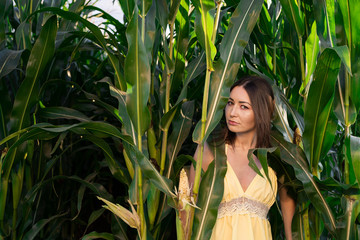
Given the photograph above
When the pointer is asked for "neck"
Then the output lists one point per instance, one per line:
(245, 141)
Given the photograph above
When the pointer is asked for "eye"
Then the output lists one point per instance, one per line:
(230, 103)
(244, 107)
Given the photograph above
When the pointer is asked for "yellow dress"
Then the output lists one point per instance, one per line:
(243, 215)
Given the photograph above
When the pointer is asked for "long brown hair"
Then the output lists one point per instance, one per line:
(262, 101)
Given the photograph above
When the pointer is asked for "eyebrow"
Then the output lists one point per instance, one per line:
(239, 101)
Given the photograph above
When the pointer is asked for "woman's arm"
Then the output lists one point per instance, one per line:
(207, 159)
(288, 209)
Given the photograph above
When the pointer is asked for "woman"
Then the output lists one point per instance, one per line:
(247, 198)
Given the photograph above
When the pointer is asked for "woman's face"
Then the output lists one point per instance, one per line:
(239, 112)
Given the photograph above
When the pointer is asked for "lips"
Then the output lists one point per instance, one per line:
(232, 123)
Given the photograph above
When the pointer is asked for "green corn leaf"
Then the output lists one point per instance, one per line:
(181, 129)
(324, 13)
(181, 45)
(299, 120)
(5, 109)
(194, 69)
(97, 235)
(262, 156)
(294, 156)
(3, 8)
(169, 116)
(210, 195)
(127, 7)
(62, 112)
(150, 32)
(9, 60)
(81, 192)
(153, 199)
(349, 11)
(344, 55)
(94, 216)
(95, 99)
(204, 23)
(102, 128)
(281, 120)
(38, 226)
(294, 15)
(137, 74)
(40, 56)
(312, 49)
(17, 178)
(355, 155)
(351, 205)
(22, 36)
(128, 127)
(145, 7)
(174, 8)
(232, 46)
(116, 169)
(119, 79)
(319, 106)
(162, 13)
(96, 188)
(163, 184)
(106, 16)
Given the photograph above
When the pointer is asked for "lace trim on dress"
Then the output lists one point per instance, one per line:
(242, 206)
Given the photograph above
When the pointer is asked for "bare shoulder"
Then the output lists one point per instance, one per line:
(208, 156)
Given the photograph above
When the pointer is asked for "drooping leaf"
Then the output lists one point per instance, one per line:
(38, 226)
(294, 156)
(235, 39)
(96, 188)
(22, 36)
(94, 216)
(62, 112)
(262, 156)
(319, 105)
(9, 60)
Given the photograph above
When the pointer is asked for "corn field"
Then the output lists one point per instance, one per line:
(104, 117)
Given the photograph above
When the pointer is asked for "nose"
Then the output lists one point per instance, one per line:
(233, 111)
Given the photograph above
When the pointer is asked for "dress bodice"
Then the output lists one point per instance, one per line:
(243, 214)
